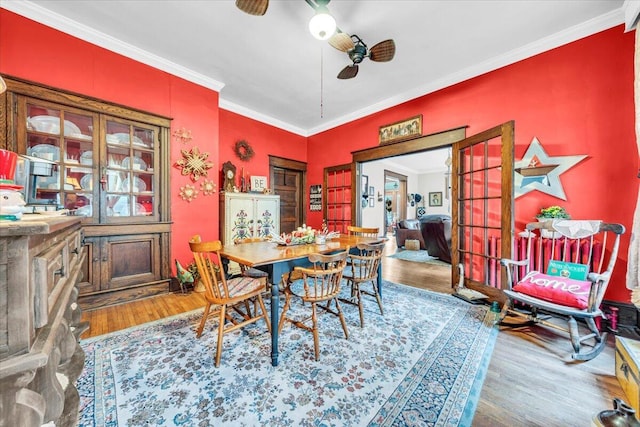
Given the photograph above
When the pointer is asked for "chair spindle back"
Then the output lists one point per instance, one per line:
(322, 280)
(362, 231)
(208, 261)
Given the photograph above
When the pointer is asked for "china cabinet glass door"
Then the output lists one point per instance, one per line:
(65, 137)
(129, 175)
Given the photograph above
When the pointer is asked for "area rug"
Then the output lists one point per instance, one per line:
(418, 256)
(422, 363)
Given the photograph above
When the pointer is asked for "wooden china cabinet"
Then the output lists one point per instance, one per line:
(112, 168)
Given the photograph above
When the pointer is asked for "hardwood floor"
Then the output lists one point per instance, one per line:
(531, 380)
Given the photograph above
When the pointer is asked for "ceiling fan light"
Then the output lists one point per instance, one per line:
(322, 25)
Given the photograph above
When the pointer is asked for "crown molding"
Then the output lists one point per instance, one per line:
(631, 10)
(83, 32)
(252, 114)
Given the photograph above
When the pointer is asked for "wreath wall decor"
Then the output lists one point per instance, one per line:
(188, 193)
(194, 163)
(243, 150)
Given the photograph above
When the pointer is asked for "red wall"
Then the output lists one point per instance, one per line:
(576, 99)
(264, 139)
(35, 52)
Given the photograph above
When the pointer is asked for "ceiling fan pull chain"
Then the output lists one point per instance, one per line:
(321, 84)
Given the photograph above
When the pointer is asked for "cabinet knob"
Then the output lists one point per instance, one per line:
(104, 259)
(96, 259)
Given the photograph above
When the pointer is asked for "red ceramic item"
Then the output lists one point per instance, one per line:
(8, 162)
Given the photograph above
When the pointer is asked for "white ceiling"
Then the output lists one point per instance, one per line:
(270, 68)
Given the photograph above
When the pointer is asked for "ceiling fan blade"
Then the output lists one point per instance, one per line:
(348, 72)
(341, 41)
(383, 51)
(253, 7)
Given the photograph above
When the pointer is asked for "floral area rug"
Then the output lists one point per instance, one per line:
(422, 363)
(418, 256)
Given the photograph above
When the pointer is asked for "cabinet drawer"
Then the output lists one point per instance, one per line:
(74, 243)
(627, 359)
(50, 272)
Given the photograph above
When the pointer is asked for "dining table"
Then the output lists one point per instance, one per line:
(277, 260)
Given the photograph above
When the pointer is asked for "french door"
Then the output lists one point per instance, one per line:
(482, 208)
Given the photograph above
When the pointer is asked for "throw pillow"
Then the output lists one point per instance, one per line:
(556, 289)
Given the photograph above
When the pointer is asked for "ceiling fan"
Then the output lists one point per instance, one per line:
(351, 44)
(357, 51)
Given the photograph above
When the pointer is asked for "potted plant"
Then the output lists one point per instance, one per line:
(550, 213)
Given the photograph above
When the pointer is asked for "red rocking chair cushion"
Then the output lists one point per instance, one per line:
(555, 289)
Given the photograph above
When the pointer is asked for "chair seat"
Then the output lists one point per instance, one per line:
(243, 285)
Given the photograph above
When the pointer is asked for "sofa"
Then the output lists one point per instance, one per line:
(433, 232)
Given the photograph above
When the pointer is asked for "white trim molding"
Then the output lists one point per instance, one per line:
(44, 16)
(631, 10)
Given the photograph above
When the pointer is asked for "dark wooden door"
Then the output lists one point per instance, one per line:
(288, 181)
(287, 186)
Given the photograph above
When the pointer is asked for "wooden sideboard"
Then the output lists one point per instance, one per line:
(40, 357)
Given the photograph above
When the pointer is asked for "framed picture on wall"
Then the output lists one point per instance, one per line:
(435, 198)
(400, 131)
(364, 185)
(371, 202)
(371, 191)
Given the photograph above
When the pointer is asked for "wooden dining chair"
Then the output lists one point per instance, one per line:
(250, 271)
(315, 285)
(232, 298)
(362, 268)
(352, 230)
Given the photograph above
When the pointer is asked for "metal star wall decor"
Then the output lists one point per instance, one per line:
(194, 163)
(539, 171)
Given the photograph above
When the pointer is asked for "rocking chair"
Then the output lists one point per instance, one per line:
(563, 275)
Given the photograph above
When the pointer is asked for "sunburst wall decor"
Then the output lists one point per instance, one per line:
(194, 163)
(188, 192)
(208, 187)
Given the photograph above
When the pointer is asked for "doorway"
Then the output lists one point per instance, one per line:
(488, 155)
(288, 180)
(395, 199)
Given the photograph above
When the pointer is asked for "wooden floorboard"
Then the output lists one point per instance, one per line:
(531, 379)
